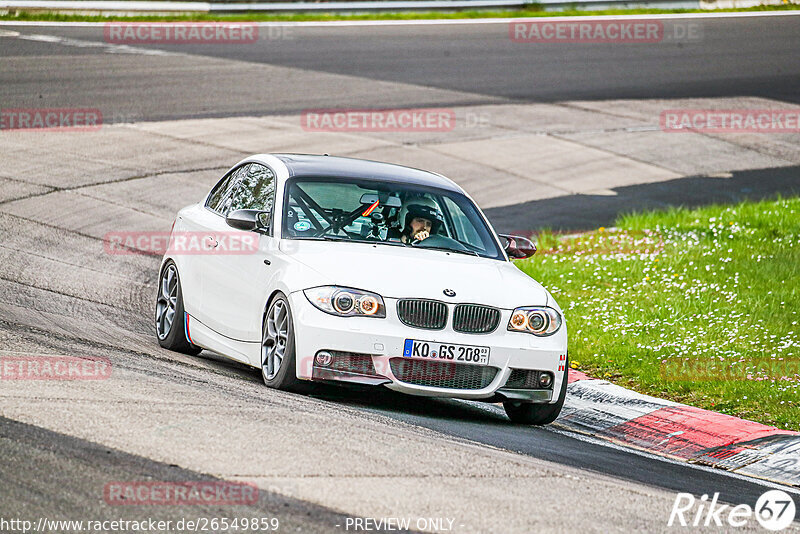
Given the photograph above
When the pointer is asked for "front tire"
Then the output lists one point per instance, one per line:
(278, 364)
(529, 413)
(170, 315)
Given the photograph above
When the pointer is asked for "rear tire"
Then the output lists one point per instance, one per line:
(170, 316)
(278, 364)
(529, 413)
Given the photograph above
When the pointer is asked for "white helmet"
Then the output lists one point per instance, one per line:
(422, 207)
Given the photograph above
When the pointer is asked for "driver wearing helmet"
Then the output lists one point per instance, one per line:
(421, 218)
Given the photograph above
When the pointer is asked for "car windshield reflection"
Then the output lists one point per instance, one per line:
(395, 214)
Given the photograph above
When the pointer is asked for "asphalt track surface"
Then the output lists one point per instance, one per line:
(465, 64)
(54, 461)
(749, 56)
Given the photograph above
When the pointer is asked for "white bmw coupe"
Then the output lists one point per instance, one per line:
(362, 272)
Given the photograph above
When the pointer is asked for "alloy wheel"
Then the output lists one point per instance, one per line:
(167, 301)
(274, 339)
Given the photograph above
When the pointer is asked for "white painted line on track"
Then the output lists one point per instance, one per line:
(79, 43)
(446, 22)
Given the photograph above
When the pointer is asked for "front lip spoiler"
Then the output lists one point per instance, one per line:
(534, 395)
(321, 373)
(336, 375)
(529, 395)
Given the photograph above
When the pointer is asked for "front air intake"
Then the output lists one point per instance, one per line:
(442, 374)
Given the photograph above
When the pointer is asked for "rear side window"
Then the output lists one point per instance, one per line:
(255, 190)
(221, 196)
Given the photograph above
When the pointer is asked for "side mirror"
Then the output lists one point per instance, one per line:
(248, 220)
(518, 247)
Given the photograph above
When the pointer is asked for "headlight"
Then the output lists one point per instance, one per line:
(346, 302)
(538, 320)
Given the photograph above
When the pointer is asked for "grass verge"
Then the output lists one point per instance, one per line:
(298, 17)
(697, 306)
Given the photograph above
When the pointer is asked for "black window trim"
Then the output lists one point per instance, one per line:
(229, 174)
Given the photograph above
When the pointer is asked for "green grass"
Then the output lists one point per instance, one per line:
(697, 306)
(532, 11)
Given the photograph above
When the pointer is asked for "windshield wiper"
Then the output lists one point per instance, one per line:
(445, 249)
(329, 237)
(469, 246)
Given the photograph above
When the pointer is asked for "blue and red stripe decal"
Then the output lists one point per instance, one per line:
(186, 327)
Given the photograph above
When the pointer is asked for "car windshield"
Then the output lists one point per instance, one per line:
(398, 214)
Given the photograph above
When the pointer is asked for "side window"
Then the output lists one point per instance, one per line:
(220, 197)
(256, 189)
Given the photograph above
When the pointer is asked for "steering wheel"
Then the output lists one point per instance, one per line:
(438, 241)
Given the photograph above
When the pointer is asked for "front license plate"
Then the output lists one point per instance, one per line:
(430, 350)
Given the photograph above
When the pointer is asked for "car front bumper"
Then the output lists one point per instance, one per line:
(382, 340)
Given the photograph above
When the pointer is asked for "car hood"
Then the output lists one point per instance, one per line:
(403, 272)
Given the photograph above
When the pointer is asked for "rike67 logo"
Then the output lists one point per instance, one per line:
(775, 510)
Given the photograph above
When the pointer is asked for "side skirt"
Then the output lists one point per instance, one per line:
(245, 352)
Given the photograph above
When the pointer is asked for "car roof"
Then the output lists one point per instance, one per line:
(341, 167)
